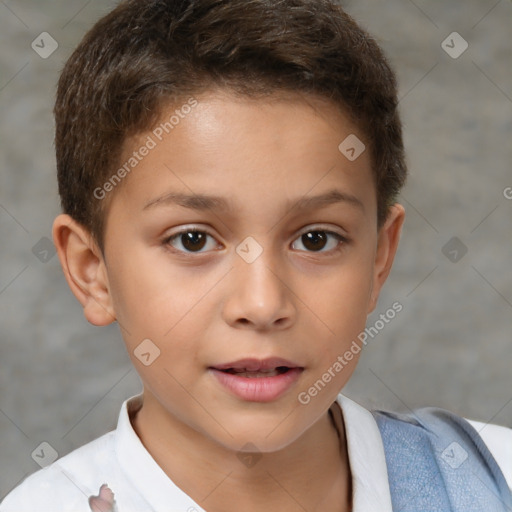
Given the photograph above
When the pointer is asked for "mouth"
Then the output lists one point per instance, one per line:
(243, 372)
(257, 380)
(253, 368)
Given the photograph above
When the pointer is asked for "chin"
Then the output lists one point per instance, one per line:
(255, 444)
(261, 435)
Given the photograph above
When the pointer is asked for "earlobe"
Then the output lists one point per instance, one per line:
(388, 239)
(84, 269)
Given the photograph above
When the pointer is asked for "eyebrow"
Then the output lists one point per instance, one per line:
(203, 202)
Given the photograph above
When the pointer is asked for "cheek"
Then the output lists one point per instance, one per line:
(342, 298)
(342, 306)
(150, 296)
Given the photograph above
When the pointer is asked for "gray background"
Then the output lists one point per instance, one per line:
(62, 380)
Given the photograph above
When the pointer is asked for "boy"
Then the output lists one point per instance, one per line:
(266, 134)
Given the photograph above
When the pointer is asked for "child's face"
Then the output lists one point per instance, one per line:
(204, 302)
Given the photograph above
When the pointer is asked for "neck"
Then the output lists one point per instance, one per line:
(312, 473)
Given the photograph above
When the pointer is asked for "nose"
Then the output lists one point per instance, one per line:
(260, 296)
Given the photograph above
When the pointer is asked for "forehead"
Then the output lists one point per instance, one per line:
(239, 149)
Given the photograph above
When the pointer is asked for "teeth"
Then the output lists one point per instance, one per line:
(266, 373)
(243, 372)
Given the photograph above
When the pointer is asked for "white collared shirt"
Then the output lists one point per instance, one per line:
(139, 484)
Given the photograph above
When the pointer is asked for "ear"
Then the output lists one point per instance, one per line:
(84, 268)
(387, 244)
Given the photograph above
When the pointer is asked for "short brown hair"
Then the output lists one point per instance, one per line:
(147, 53)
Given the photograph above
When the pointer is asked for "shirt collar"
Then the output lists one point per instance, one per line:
(370, 488)
(142, 470)
(370, 485)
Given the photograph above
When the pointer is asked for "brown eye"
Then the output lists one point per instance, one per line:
(314, 240)
(317, 240)
(193, 240)
(190, 240)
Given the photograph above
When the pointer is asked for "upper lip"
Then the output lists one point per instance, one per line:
(255, 365)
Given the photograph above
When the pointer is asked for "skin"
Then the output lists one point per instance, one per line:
(206, 306)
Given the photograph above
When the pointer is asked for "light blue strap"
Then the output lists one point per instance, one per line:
(438, 462)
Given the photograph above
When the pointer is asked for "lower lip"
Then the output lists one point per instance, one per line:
(258, 389)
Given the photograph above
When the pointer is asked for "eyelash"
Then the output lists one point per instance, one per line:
(341, 239)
